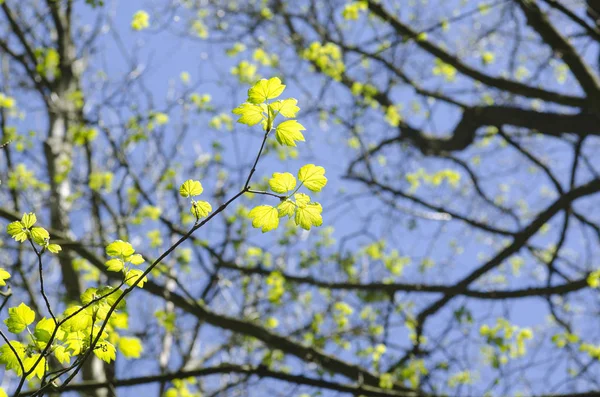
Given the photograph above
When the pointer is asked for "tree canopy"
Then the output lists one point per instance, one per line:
(300, 198)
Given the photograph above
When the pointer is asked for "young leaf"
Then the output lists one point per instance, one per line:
(39, 235)
(136, 259)
(62, 355)
(287, 107)
(309, 215)
(44, 329)
(119, 248)
(79, 322)
(105, 351)
(250, 114)
(132, 276)
(302, 199)
(130, 347)
(114, 265)
(288, 132)
(8, 357)
(200, 209)
(4, 275)
(19, 318)
(140, 20)
(264, 90)
(54, 248)
(191, 188)
(28, 220)
(89, 295)
(282, 182)
(39, 370)
(265, 217)
(313, 177)
(17, 231)
(286, 208)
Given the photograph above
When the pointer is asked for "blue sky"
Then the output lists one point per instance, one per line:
(161, 56)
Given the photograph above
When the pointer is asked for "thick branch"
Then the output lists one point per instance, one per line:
(500, 83)
(260, 371)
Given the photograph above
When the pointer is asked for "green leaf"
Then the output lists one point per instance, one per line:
(40, 368)
(264, 90)
(8, 357)
(105, 351)
(44, 329)
(288, 132)
(4, 275)
(119, 248)
(115, 265)
(62, 355)
(79, 322)
(132, 276)
(264, 217)
(40, 235)
(309, 215)
(200, 209)
(140, 20)
(250, 114)
(112, 297)
(282, 182)
(302, 199)
(19, 318)
(89, 295)
(313, 177)
(191, 188)
(136, 259)
(54, 248)
(130, 347)
(286, 208)
(287, 107)
(28, 220)
(17, 231)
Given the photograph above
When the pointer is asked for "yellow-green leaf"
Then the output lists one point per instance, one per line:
(17, 231)
(200, 209)
(286, 208)
(140, 20)
(191, 188)
(309, 215)
(264, 90)
(39, 235)
(130, 347)
(28, 220)
(114, 265)
(105, 351)
(136, 259)
(40, 368)
(313, 177)
(264, 217)
(54, 248)
(19, 318)
(287, 107)
(250, 114)
(282, 182)
(45, 328)
(302, 199)
(133, 275)
(119, 248)
(79, 322)
(4, 275)
(8, 357)
(62, 355)
(288, 132)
